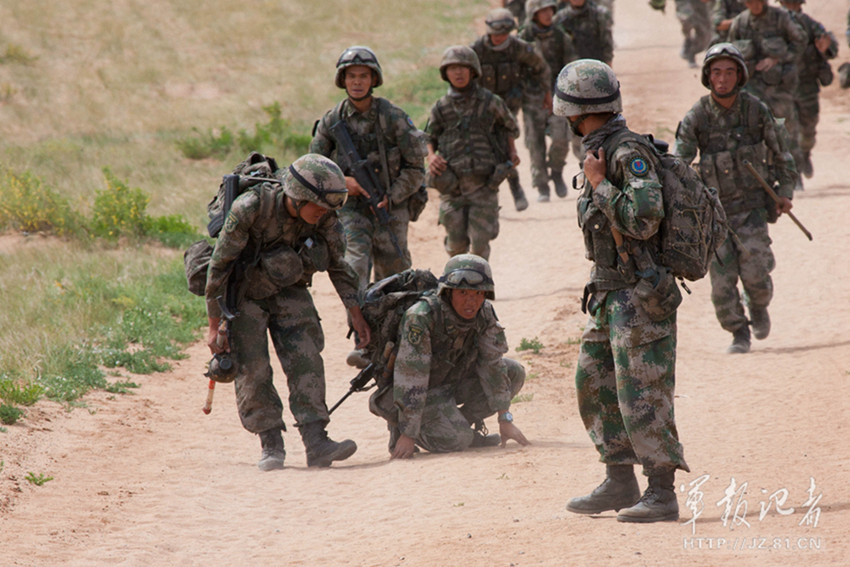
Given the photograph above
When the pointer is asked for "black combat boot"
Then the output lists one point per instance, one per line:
(760, 320)
(806, 167)
(273, 454)
(740, 340)
(517, 192)
(557, 177)
(321, 450)
(618, 490)
(658, 503)
(543, 193)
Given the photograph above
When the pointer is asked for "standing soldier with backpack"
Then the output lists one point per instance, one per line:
(625, 374)
(507, 64)
(282, 234)
(557, 49)
(727, 128)
(815, 72)
(385, 136)
(469, 129)
(450, 372)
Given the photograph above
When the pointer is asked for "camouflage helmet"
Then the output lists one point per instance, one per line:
(467, 271)
(316, 179)
(460, 55)
(499, 21)
(534, 6)
(587, 86)
(724, 50)
(357, 55)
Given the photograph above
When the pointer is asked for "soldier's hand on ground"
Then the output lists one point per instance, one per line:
(784, 206)
(404, 448)
(361, 327)
(436, 164)
(217, 345)
(594, 167)
(507, 430)
(354, 188)
(766, 64)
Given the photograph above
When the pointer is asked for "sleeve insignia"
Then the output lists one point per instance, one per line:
(638, 167)
(410, 123)
(414, 335)
(231, 222)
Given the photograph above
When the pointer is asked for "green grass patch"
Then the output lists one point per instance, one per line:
(520, 398)
(534, 345)
(9, 414)
(37, 479)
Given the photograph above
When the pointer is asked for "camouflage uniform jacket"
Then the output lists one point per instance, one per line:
(727, 137)
(556, 47)
(629, 200)
(507, 69)
(813, 62)
(590, 29)
(250, 230)
(384, 124)
(773, 34)
(724, 10)
(438, 348)
(465, 126)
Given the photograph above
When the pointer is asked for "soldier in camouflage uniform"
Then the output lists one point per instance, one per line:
(468, 129)
(722, 14)
(284, 233)
(625, 374)
(508, 64)
(450, 372)
(384, 135)
(815, 72)
(516, 7)
(557, 48)
(728, 127)
(693, 15)
(772, 43)
(590, 27)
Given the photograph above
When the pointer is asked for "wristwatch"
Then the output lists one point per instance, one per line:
(506, 417)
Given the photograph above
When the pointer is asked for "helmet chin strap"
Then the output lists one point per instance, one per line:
(730, 94)
(364, 97)
(575, 124)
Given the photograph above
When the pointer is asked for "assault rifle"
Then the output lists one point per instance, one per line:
(359, 383)
(359, 169)
(221, 367)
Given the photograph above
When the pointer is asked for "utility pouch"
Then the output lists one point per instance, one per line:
(416, 203)
(196, 261)
(275, 269)
(500, 173)
(658, 297)
(446, 183)
(381, 404)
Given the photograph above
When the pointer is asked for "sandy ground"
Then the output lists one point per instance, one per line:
(147, 479)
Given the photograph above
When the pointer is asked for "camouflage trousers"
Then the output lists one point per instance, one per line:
(538, 123)
(753, 271)
(451, 410)
(625, 382)
(368, 245)
(695, 18)
(290, 318)
(471, 220)
(808, 113)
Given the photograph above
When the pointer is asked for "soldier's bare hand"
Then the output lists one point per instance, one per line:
(507, 430)
(514, 157)
(766, 64)
(594, 167)
(217, 343)
(404, 448)
(436, 164)
(354, 188)
(784, 206)
(823, 43)
(547, 101)
(361, 327)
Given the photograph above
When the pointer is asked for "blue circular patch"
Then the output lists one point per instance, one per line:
(638, 166)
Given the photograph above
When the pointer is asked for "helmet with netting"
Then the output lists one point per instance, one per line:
(316, 179)
(460, 55)
(587, 86)
(467, 271)
(534, 6)
(500, 21)
(357, 55)
(724, 50)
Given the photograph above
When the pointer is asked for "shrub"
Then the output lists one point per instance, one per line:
(27, 205)
(119, 210)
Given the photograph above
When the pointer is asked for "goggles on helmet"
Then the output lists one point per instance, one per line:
(466, 276)
(322, 194)
(355, 56)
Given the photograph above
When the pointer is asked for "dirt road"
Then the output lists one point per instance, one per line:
(147, 479)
